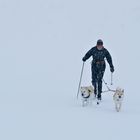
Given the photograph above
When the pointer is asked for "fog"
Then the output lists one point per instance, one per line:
(42, 43)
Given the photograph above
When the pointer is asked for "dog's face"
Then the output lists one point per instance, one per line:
(119, 94)
(86, 91)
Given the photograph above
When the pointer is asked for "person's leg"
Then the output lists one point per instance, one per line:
(99, 88)
(94, 83)
(100, 77)
(94, 79)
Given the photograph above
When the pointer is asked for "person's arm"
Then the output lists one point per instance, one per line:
(88, 55)
(109, 60)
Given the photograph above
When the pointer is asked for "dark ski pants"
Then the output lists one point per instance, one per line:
(97, 76)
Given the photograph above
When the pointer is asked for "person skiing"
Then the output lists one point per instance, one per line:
(98, 53)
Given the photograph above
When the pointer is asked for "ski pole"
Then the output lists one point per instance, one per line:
(111, 78)
(80, 79)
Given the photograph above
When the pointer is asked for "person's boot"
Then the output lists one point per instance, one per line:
(99, 98)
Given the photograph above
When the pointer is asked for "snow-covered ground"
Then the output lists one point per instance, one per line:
(42, 43)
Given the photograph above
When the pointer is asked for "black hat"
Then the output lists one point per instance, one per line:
(99, 42)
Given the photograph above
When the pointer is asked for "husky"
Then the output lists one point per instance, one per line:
(118, 98)
(87, 95)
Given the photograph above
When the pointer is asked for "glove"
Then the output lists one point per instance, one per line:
(84, 59)
(112, 69)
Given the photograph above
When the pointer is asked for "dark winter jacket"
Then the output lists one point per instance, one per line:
(99, 58)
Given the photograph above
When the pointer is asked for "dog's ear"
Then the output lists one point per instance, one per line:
(91, 88)
(123, 90)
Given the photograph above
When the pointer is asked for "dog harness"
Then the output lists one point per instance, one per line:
(86, 97)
